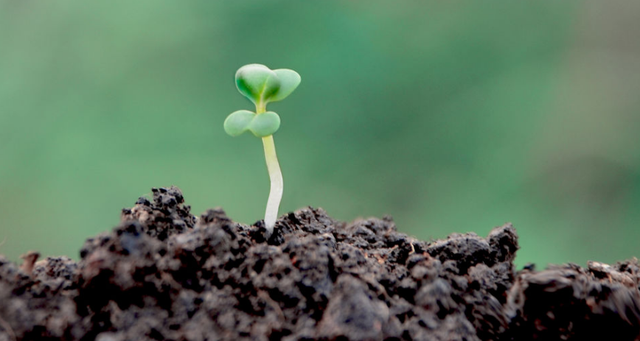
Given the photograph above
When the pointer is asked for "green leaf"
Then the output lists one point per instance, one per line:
(289, 81)
(260, 125)
(265, 124)
(257, 82)
(238, 122)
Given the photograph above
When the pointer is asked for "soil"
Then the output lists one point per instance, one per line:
(164, 274)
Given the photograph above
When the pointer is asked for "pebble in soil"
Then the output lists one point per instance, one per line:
(162, 274)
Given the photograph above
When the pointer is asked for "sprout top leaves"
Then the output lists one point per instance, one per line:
(262, 85)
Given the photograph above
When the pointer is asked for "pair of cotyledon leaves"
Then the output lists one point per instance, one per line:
(261, 85)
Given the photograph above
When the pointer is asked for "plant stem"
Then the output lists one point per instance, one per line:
(275, 175)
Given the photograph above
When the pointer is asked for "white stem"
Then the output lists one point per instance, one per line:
(275, 175)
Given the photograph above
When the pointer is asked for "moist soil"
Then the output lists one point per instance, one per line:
(164, 274)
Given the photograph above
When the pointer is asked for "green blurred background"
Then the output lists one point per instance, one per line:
(448, 116)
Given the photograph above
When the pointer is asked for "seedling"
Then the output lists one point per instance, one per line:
(262, 85)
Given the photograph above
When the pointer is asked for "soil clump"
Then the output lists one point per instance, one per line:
(164, 274)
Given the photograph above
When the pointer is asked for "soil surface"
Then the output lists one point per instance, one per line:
(164, 274)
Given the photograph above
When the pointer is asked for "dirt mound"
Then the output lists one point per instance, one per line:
(164, 274)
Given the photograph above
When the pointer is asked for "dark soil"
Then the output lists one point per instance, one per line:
(164, 274)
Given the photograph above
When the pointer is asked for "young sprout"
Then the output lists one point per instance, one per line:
(262, 85)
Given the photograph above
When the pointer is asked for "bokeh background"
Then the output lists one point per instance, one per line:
(448, 116)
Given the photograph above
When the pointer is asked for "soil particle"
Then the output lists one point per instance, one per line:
(163, 274)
